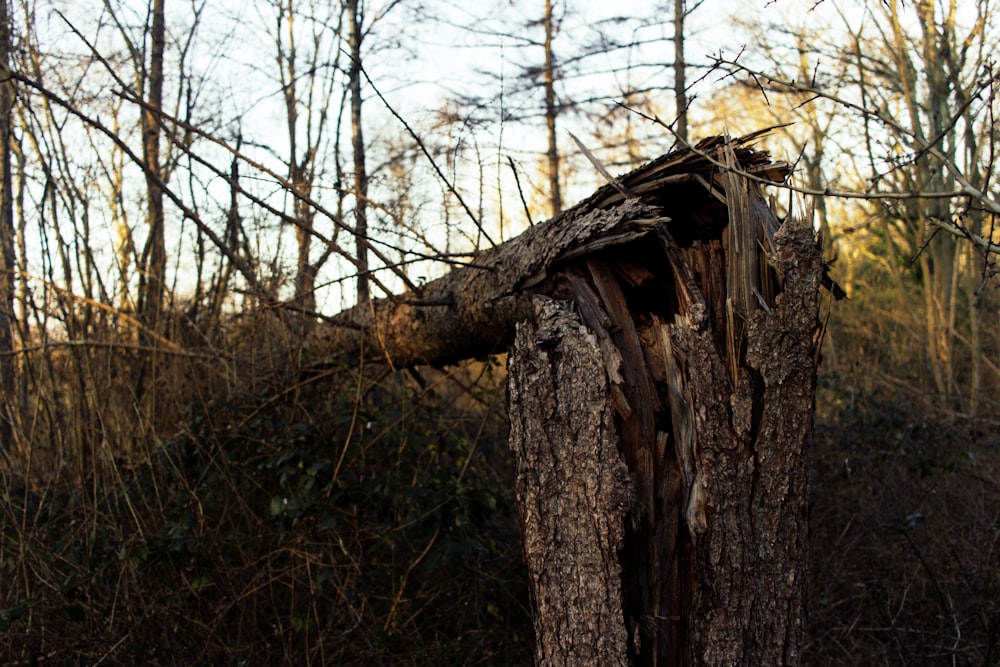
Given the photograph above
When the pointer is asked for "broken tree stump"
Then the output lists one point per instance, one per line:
(661, 389)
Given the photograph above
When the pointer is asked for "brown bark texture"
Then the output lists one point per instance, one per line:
(674, 333)
(746, 501)
(573, 489)
(472, 311)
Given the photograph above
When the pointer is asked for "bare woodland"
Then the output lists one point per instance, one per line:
(399, 333)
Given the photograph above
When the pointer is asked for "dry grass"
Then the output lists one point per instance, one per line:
(905, 538)
(272, 516)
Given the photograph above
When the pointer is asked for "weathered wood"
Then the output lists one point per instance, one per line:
(661, 408)
(472, 310)
(742, 448)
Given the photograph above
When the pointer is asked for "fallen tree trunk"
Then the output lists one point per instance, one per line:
(472, 310)
(660, 394)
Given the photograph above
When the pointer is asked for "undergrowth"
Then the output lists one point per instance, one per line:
(361, 517)
(904, 537)
(349, 519)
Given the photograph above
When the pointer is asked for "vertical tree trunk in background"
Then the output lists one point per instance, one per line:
(153, 264)
(358, 142)
(551, 111)
(125, 244)
(7, 259)
(220, 288)
(307, 80)
(940, 281)
(680, 76)
(926, 92)
(287, 57)
(972, 285)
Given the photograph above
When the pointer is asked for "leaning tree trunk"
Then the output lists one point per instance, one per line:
(661, 389)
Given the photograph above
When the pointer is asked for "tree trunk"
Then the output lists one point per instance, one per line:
(676, 340)
(7, 258)
(749, 467)
(713, 424)
(551, 111)
(472, 310)
(680, 75)
(153, 265)
(573, 490)
(358, 143)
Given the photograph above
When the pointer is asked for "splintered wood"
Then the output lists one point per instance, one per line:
(697, 355)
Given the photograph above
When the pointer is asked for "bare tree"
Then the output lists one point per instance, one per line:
(308, 82)
(915, 98)
(355, 18)
(680, 72)
(551, 109)
(153, 261)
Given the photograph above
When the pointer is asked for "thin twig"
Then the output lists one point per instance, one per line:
(430, 158)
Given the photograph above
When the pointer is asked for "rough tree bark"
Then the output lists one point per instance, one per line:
(564, 437)
(473, 310)
(660, 393)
